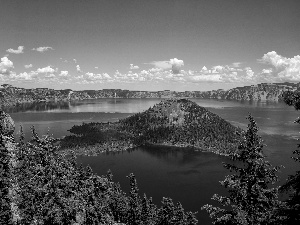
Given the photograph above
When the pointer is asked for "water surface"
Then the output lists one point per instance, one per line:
(184, 175)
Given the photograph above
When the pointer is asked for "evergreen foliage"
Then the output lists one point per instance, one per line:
(5, 177)
(55, 190)
(178, 122)
(292, 185)
(250, 200)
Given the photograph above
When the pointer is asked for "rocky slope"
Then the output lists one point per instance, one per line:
(174, 122)
(12, 96)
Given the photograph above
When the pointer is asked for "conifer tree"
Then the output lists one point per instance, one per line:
(134, 202)
(5, 175)
(292, 185)
(250, 200)
(9, 212)
(149, 211)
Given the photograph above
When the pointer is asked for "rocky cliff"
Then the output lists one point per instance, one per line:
(11, 96)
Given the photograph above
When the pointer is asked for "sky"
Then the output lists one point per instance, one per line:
(151, 45)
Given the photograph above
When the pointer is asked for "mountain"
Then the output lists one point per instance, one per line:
(174, 122)
(12, 96)
(181, 122)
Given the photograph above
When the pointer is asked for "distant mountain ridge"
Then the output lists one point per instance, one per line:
(10, 96)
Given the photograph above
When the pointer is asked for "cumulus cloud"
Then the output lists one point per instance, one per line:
(267, 70)
(106, 76)
(92, 78)
(18, 51)
(161, 64)
(28, 66)
(176, 65)
(78, 68)
(206, 78)
(132, 67)
(6, 65)
(75, 61)
(154, 70)
(96, 67)
(284, 69)
(47, 69)
(203, 70)
(279, 69)
(24, 76)
(42, 49)
(64, 73)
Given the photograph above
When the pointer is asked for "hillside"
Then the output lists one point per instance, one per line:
(11, 96)
(182, 123)
(171, 122)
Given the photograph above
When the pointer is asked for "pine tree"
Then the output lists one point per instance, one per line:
(9, 212)
(5, 176)
(149, 211)
(292, 185)
(134, 202)
(250, 200)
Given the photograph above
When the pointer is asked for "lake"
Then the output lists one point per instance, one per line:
(184, 175)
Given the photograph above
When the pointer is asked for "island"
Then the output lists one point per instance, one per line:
(172, 122)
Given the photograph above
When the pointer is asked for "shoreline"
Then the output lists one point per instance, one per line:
(97, 149)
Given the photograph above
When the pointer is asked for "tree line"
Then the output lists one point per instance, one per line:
(53, 189)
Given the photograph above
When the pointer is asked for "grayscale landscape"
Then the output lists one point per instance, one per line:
(149, 112)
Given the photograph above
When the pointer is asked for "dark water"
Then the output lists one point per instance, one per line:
(184, 175)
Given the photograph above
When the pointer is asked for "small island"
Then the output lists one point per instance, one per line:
(172, 122)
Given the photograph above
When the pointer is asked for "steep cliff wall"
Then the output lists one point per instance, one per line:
(11, 96)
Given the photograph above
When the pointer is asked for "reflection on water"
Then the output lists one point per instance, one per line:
(130, 105)
(184, 175)
(38, 106)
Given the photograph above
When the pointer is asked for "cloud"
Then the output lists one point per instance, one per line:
(18, 51)
(132, 67)
(64, 73)
(236, 64)
(47, 69)
(78, 68)
(106, 76)
(42, 49)
(161, 64)
(206, 78)
(92, 78)
(24, 76)
(204, 69)
(279, 69)
(28, 66)
(96, 67)
(75, 61)
(176, 65)
(267, 70)
(155, 70)
(6, 65)
(249, 73)
(272, 58)
(284, 69)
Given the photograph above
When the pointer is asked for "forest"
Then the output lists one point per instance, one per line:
(40, 182)
(176, 122)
